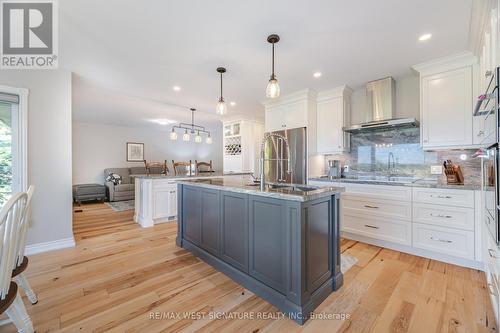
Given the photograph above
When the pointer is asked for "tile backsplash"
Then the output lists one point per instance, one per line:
(370, 152)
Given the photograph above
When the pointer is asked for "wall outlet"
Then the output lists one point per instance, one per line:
(436, 169)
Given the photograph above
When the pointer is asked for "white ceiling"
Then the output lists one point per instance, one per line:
(127, 55)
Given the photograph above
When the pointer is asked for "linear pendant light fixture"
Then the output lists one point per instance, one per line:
(190, 129)
(221, 105)
(273, 88)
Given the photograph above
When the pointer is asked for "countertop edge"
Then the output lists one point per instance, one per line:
(468, 187)
(277, 195)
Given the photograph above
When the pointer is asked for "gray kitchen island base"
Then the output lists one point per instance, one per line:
(293, 311)
(283, 248)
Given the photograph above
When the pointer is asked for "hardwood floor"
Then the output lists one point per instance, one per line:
(119, 277)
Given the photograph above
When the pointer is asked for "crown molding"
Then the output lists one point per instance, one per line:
(479, 22)
(454, 61)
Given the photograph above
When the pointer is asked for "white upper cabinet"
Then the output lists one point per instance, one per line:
(446, 102)
(293, 111)
(333, 113)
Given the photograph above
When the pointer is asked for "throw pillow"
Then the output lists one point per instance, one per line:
(114, 178)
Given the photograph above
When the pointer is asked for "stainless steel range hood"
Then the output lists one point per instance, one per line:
(381, 100)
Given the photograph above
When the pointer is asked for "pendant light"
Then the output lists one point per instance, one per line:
(198, 138)
(173, 135)
(273, 88)
(221, 105)
(191, 128)
(186, 136)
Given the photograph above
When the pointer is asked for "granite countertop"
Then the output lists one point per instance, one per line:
(429, 183)
(202, 175)
(245, 185)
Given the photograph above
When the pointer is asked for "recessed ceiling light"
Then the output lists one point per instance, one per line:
(164, 121)
(176, 88)
(317, 74)
(232, 103)
(424, 37)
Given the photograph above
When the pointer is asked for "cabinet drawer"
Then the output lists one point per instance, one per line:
(461, 198)
(458, 243)
(382, 208)
(387, 192)
(444, 216)
(379, 228)
(492, 258)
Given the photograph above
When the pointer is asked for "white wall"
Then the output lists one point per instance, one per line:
(97, 146)
(407, 100)
(49, 150)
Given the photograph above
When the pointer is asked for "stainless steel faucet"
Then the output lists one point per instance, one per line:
(263, 159)
(391, 169)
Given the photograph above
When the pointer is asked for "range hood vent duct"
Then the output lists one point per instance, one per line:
(381, 103)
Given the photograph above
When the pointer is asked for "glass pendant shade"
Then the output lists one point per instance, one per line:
(221, 107)
(186, 136)
(198, 138)
(273, 88)
(173, 135)
(209, 140)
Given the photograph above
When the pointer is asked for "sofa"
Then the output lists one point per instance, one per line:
(125, 190)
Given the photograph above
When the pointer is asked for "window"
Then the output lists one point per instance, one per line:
(12, 142)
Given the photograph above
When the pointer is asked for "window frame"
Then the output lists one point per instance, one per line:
(22, 128)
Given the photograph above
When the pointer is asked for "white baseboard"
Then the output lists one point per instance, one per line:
(50, 246)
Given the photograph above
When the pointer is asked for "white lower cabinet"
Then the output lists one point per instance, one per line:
(155, 201)
(444, 216)
(453, 242)
(390, 230)
(430, 222)
(376, 207)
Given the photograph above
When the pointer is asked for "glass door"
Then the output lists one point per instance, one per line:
(9, 146)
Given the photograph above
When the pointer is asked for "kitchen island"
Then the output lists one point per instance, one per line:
(282, 243)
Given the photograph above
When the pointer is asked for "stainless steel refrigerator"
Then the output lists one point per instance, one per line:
(275, 149)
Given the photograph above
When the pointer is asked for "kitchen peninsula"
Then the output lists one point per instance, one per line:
(282, 242)
(156, 196)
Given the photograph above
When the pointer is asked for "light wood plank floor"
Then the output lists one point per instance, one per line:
(119, 275)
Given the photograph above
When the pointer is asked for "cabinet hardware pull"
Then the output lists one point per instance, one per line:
(441, 215)
(441, 196)
(492, 254)
(488, 73)
(371, 226)
(490, 289)
(441, 240)
(480, 133)
(368, 206)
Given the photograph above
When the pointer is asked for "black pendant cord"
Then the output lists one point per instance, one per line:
(192, 120)
(272, 75)
(221, 86)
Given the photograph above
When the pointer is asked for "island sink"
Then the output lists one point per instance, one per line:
(282, 244)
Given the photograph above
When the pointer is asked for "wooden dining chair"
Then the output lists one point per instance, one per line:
(182, 168)
(10, 231)
(156, 165)
(200, 165)
(21, 262)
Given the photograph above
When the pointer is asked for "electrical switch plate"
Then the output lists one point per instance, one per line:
(436, 169)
